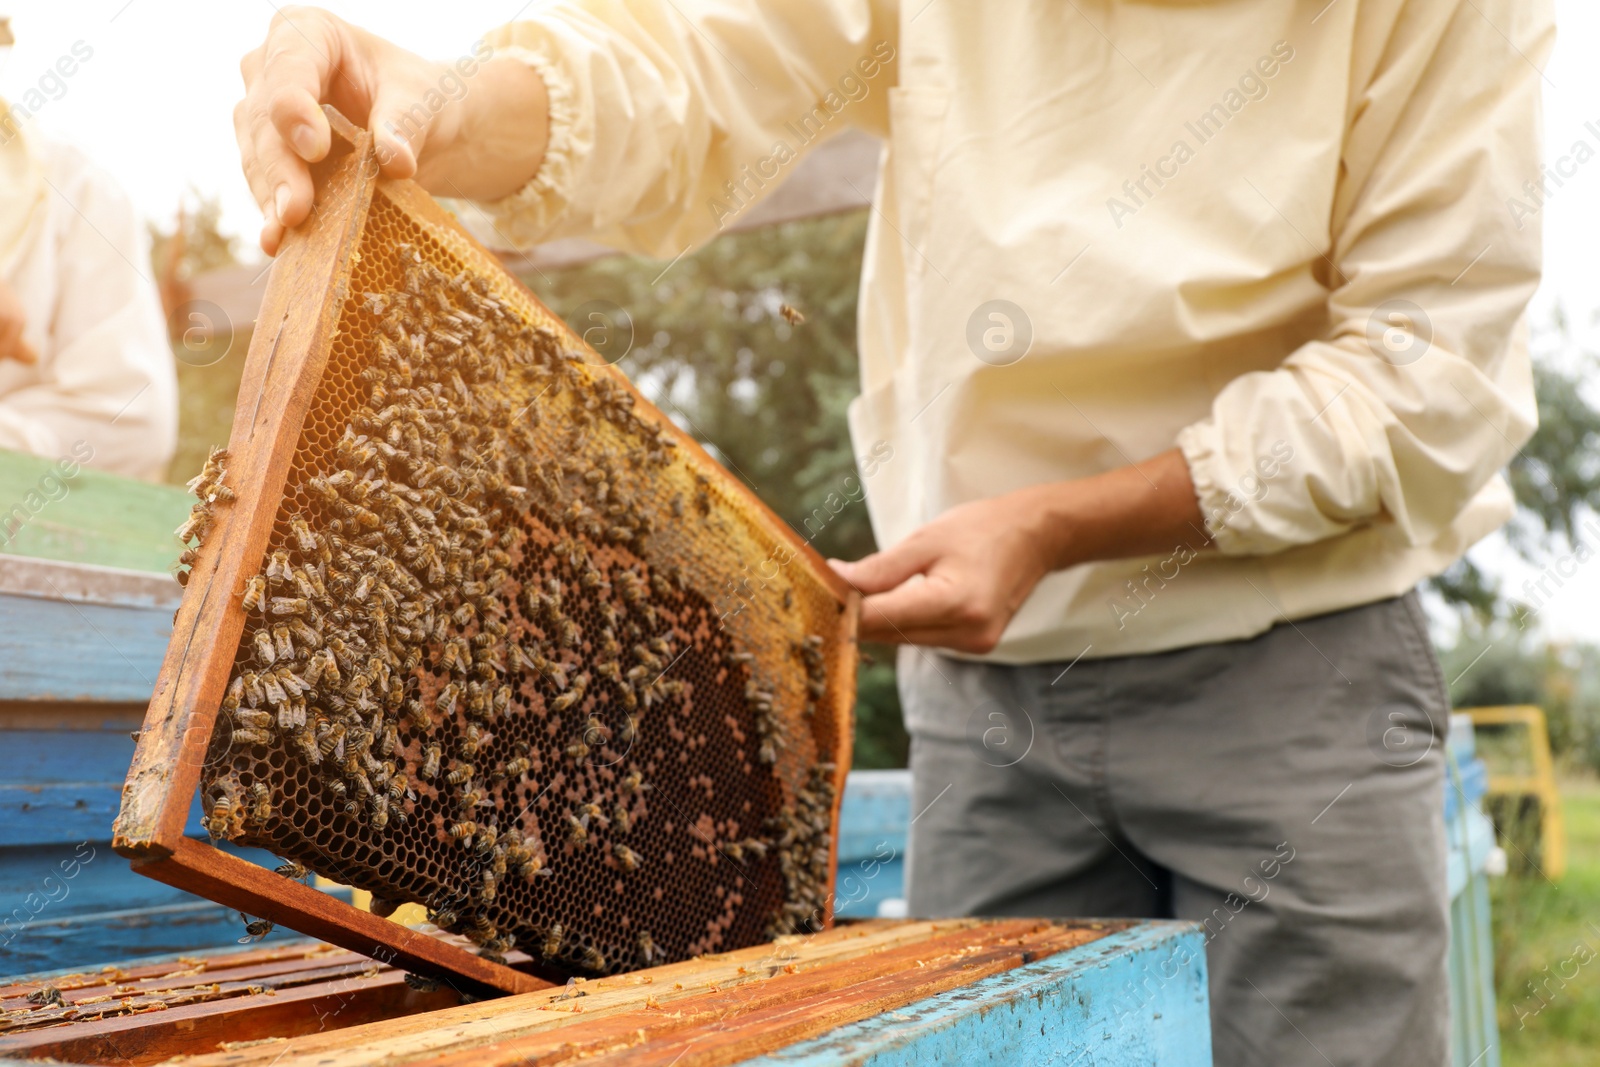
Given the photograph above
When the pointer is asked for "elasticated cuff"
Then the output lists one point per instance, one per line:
(525, 217)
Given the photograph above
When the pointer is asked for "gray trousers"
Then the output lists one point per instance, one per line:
(1285, 791)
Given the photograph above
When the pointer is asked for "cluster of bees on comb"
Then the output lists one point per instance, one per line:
(466, 680)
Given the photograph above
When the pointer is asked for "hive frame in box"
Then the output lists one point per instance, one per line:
(288, 352)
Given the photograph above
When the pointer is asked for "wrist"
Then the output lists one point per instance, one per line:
(490, 141)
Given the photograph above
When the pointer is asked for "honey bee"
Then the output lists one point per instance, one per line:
(254, 929)
(633, 782)
(620, 819)
(791, 315)
(303, 535)
(234, 696)
(578, 751)
(47, 995)
(255, 589)
(515, 768)
(577, 830)
(266, 652)
(486, 894)
(278, 566)
(430, 762)
(252, 737)
(291, 869)
(287, 605)
(462, 772)
(463, 831)
(421, 983)
(626, 856)
(647, 948)
(551, 944)
(593, 959)
(379, 804)
(330, 741)
(283, 643)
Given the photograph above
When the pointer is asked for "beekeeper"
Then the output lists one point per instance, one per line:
(1196, 332)
(86, 372)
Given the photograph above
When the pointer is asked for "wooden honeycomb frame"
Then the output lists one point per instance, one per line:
(298, 328)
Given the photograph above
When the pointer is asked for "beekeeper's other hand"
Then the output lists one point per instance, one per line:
(12, 320)
(462, 128)
(957, 581)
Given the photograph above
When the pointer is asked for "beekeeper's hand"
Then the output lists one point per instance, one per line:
(12, 320)
(956, 582)
(466, 128)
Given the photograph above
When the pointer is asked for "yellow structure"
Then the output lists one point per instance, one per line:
(1515, 745)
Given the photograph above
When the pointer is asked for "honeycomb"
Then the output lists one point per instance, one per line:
(515, 653)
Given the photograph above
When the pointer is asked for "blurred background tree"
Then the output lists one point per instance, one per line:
(766, 398)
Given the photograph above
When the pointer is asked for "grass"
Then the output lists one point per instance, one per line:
(1547, 948)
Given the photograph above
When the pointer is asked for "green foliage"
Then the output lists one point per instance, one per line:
(710, 348)
(1555, 476)
(1547, 948)
(766, 398)
(1499, 664)
(204, 246)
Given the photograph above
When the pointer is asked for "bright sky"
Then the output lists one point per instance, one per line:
(154, 105)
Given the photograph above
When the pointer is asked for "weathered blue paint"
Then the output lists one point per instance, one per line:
(1475, 1027)
(61, 650)
(1134, 997)
(873, 822)
(81, 906)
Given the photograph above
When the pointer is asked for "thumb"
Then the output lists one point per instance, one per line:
(882, 571)
(399, 125)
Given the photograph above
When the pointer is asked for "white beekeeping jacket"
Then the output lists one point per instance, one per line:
(78, 257)
(1278, 235)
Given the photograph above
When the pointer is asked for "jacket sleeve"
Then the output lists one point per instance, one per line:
(669, 117)
(106, 375)
(1421, 389)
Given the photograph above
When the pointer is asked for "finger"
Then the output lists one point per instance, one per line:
(884, 570)
(929, 604)
(283, 123)
(400, 126)
(23, 352)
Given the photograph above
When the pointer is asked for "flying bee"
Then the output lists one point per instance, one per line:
(626, 856)
(255, 589)
(254, 929)
(593, 959)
